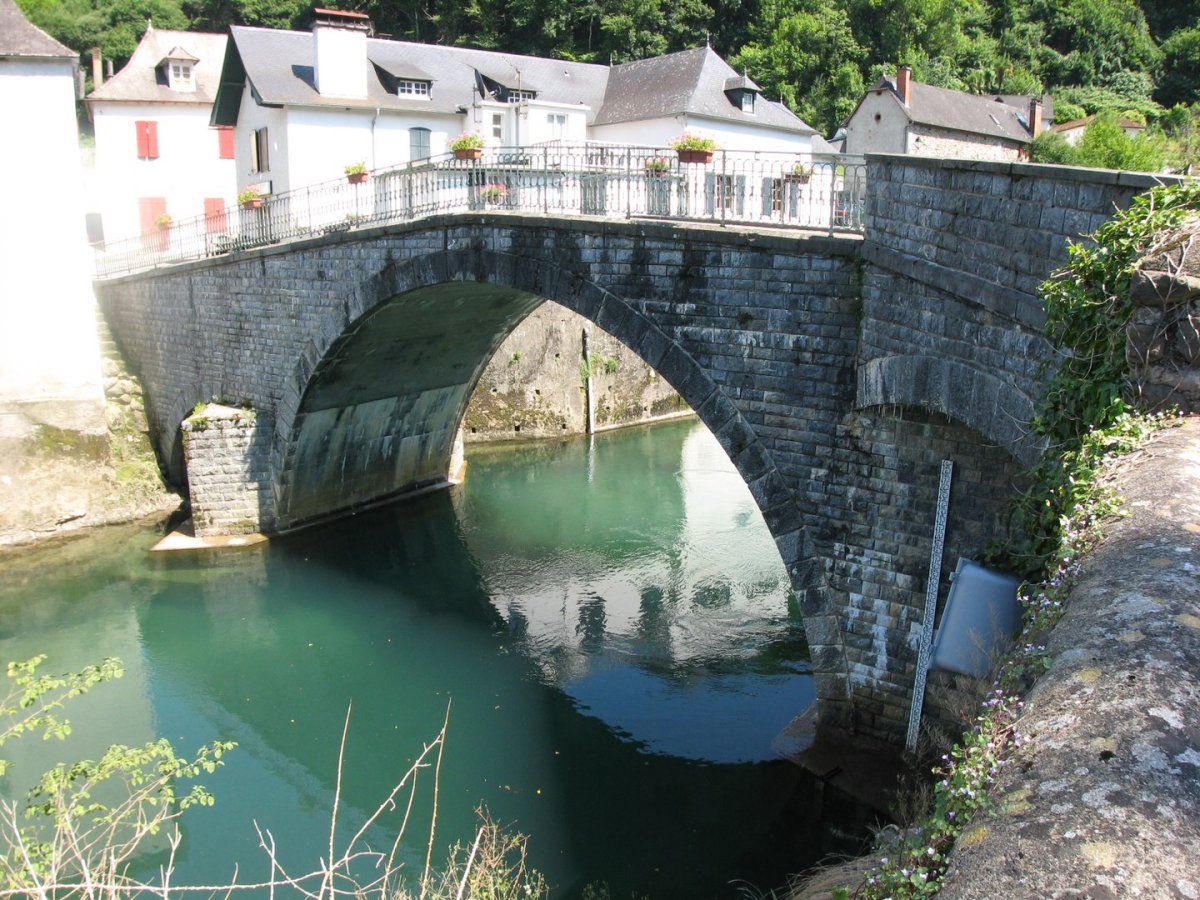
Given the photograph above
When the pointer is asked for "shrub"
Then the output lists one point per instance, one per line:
(467, 141)
(689, 141)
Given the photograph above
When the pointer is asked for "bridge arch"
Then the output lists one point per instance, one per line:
(986, 403)
(373, 406)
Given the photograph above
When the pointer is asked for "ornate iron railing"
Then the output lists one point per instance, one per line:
(775, 190)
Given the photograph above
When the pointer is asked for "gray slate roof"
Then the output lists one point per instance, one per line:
(279, 67)
(960, 111)
(21, 38)
(139, 79)
(690, 82)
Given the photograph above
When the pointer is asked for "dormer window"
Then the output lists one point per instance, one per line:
(741, 92)
(181, 76)
(178, 70)
(409, 88)
(519, 96)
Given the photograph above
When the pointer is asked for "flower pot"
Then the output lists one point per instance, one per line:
(356, 177)
(256, 203)
(469, 153)
(695, 156)
(164, 226)
(656, 173)
(797, 178)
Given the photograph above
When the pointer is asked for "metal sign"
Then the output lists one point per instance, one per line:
(931, 595)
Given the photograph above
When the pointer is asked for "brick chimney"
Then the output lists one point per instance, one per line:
(903, 82)
(97, 68)
(340, 53)
(1036, 125)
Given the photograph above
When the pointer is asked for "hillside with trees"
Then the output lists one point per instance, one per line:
(1133, 59)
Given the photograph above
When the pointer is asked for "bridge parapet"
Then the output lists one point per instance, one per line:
(763, 188)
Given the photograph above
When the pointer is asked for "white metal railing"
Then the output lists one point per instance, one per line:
(777, 190)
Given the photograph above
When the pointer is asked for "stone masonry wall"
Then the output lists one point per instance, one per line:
(533, 387)
(227, 453)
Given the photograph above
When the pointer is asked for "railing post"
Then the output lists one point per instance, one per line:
(629, 183)
(545, 181)
(832, 195)
(719, 194)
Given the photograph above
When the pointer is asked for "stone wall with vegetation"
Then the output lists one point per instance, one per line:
(535, 385)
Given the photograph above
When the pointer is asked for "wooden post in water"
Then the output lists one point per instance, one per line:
(589, 398)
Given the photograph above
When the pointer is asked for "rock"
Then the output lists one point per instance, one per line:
(1145, 338)
(1161, 289)
(1186, 340)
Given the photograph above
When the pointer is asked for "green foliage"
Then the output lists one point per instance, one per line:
(33, 702)
(1051, 147)
(1084, 415)
(1180, 82)
(1105, 145)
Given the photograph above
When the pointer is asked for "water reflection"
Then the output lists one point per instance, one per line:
(630, 579)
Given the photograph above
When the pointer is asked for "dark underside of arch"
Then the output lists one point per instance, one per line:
(381, 411)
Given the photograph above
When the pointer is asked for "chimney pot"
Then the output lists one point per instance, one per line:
(97, 68)
(903, 82)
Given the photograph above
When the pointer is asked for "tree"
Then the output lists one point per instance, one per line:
(1105, 145)
(1091, 40)
(1181, 68)
(805, 53)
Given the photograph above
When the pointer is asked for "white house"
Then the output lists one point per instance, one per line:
(1072, 132)
(306, 104)
(156, 154)
(49, 354)
(899, 115)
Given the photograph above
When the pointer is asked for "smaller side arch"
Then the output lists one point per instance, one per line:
(988, 404)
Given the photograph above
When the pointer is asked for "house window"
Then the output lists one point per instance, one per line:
(147, 139)
(412, 88)
(776, 194)
(557, 125)
(747, 101)
(418, 143)
(149, 210)
(260, 158)
(224, 142)
(181, 76)
(214, 215)
(520, 96)
(498, 126)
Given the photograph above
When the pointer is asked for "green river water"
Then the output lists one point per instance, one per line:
(608, 616)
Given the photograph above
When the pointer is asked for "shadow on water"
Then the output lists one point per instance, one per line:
(610, 620)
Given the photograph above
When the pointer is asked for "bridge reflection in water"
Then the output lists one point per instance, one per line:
(610, 619)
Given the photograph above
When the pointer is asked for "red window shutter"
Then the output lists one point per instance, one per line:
(151, 140)
(214, 215)
(149, 209)
(225, 141)
(142, 145)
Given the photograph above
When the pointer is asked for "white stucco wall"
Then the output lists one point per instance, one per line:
(188, 168)
(730, 136)
(49, 355)
(879, 125)
(251, 117)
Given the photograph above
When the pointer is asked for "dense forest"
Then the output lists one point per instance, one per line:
(1135, 59)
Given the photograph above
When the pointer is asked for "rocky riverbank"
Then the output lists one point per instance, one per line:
(57, 482)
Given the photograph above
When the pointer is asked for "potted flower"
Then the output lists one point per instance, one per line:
(164, 222)
(468, 146)
(658, 166)
(356, 173)
(692, 148)
(250, 199)
(494, 193)
(799, 173)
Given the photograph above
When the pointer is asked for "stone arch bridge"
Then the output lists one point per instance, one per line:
(836, 371)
